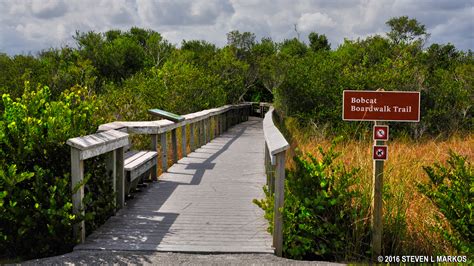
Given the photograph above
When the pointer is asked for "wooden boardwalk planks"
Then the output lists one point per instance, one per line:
(202, 204)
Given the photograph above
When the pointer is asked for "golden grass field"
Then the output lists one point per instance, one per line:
(409, 216)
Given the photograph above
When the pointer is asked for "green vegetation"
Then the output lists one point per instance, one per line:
(452, 191)
(118, 75)
(321, 222)
(35, 195)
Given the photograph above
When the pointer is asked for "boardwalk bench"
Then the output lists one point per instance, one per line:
(138, 164)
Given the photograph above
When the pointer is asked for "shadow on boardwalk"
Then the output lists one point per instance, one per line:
(159, 258)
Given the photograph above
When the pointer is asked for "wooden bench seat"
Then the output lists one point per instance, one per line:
(136, 164)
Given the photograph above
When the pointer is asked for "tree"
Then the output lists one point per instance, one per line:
(441, 56)
(200, 52)
(231, 73)
(157, 50)
(293, 47)
(405, 30)
(318, 42)
(198, 46)
(243, 42)
(272, 71)
(117, 55)
(266, 47)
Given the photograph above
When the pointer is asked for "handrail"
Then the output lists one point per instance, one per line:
(113, 137)
(275, 149)
(273, 138)
(223, 117)
(99, 143)
(163, 125)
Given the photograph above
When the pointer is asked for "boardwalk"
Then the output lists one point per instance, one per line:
(202, 204)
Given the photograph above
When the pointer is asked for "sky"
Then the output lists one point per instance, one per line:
(28, 26)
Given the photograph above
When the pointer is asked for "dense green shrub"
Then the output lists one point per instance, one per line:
(452, 190)
(322, 218)
(35, 191)
(178, 87)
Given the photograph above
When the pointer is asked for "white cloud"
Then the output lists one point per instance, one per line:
(48, 8)
(315, 21)
(182, 12)
(32, 25)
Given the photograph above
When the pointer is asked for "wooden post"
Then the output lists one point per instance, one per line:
(184, 150)
(217, 120)
(77, 175)
(377, 186)
(225, 120)
(111, 166)
(279, 201)
(221, 124)
(204, 132)
(233, 117)
(164, 152)
(110, 162)
(209, 129)
(154, 147)
(191, 137)
(216, 125)
(174, 145)
(120, 185)
(199, 132)
(267, 163)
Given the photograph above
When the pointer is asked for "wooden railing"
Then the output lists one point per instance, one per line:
(113, 137)
(275, 148)
(112, 143)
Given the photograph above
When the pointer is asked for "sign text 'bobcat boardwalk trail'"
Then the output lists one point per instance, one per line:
(401, 106)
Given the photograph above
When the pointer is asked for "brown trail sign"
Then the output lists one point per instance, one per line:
(401, 106)
(377, 106)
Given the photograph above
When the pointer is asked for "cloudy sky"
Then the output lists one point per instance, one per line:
(31, 25)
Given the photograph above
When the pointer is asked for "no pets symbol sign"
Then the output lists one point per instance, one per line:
(380, 152)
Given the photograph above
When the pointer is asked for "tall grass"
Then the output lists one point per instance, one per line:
(410, 219)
